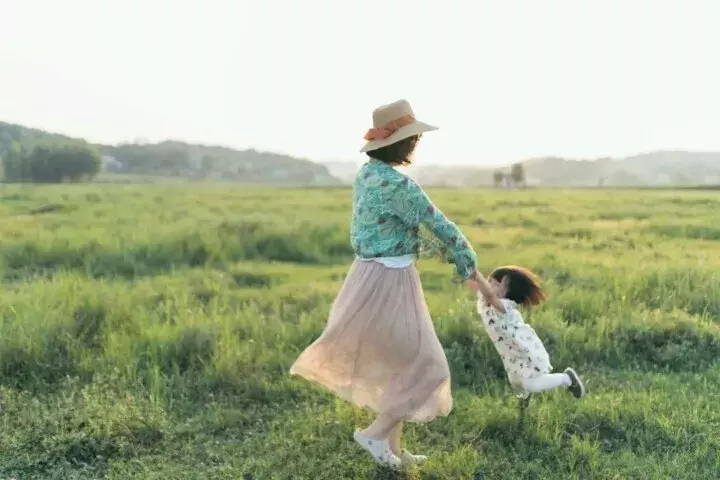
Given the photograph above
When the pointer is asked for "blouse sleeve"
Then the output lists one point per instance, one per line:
(411, 204)
(493, 316)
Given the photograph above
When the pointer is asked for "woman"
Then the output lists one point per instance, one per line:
(379, 348)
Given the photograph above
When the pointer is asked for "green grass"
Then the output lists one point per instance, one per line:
(147, 332)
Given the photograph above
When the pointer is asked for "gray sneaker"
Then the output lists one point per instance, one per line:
(576, 386)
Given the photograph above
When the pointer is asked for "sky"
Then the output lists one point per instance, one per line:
(505, 80)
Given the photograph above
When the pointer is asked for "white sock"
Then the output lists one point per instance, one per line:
(547, 381)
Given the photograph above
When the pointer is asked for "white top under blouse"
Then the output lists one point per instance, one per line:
(403, 261)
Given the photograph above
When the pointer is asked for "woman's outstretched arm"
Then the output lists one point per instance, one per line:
(409, 202)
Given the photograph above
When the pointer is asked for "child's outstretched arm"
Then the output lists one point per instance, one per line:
(479, 283)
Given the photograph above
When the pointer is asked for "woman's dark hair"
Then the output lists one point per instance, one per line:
(398, 153)
(523, 285)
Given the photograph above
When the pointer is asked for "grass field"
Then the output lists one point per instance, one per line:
(147, 332)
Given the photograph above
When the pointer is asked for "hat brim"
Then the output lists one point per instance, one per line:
(402, 133)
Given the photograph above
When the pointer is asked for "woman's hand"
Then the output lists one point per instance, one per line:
(472, 284)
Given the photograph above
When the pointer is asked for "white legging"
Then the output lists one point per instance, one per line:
(544, 382)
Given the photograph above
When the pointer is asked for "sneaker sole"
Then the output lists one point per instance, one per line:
(408, 458)
(524, 401)
(576, 382)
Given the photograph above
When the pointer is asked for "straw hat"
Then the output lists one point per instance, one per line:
(391, 123)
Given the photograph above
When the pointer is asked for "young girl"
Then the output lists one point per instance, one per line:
(526, 361)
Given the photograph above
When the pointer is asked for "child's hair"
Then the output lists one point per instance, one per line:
(523, 287)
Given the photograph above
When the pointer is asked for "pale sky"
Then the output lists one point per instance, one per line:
(503, 79)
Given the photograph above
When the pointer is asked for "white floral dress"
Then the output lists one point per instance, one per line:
(520, 349)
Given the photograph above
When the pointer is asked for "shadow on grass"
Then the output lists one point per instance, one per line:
(512, 432)
(384, 473)
(92, 452)
(631, 431)
(673, 345)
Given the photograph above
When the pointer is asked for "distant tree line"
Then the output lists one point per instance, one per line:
(197, 162)
(62, 158)
(515, 177)
(50, 163)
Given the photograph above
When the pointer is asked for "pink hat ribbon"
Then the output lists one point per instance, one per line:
(381, 133)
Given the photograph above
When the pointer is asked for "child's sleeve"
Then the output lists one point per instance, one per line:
(487, 310)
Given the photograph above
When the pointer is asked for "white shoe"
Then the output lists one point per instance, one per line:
(409, 458)
(379, 449)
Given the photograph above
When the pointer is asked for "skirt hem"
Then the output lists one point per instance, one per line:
(346, 395)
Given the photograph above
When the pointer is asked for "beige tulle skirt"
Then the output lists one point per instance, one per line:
(379, 349)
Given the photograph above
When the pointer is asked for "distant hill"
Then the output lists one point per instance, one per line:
(185, 160)
(197, 162)
(451, 176)
(345, 171)
(647, 169)
(10, 133)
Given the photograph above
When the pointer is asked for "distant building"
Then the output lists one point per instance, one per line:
(110, 163)
(280, 174)
(663, 179)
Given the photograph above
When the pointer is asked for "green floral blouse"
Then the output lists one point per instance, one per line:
(389, 212)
